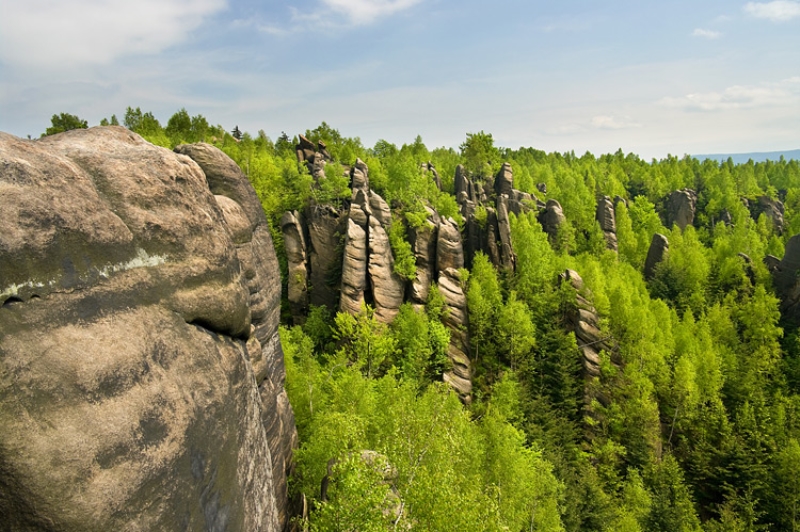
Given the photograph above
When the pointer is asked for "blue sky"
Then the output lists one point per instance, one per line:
(648, 77)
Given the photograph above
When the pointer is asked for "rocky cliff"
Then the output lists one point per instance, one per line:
(141, 374)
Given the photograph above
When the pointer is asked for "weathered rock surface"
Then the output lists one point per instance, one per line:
(605, 216)
(681, 208)
(324, 228)
(449, 250)
(457, 320)
(583, 320)
(785, 278)
(388, 288)
(294, 242)
(354, 269)
(141, 375)
(657, 252)
(552, 218)
(504, 181)
(423, 242)
(772, 208)
(507, 258)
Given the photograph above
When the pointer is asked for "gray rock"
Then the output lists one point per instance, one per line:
(456, 319)
(380, 209)
(462, 183)
(506, 251)
(359, 176)
(606, 219)
(388, 288)
(423, 244)
(552, 218)
(449, 249)
(354, 269)
(657, 252)
(324, 229)
(681, 207)
(542, 187)
(774, 210)
(504, 181)
(142, 362)
(294, 243)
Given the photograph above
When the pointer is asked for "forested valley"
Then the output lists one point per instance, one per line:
(601, 377)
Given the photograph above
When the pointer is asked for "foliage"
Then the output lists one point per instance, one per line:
(64, 122)
(693, 422)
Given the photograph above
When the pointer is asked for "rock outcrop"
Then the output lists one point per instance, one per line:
(583, 320)
(785, 278)
(294, 242)
(142, 373)
(552, 218)
(772, 208)
(681, 207)
(657, 252)
(605, 216)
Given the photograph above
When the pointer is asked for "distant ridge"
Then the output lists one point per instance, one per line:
(757, 157)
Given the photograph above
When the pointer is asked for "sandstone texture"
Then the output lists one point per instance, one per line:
(681, 208)
(657, 252)
(141, 374)
(606, 217)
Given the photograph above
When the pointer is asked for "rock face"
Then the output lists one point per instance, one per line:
(681, 207)
(772, 208)
(552, 218)
(324, 227)
(657, 252)
(606, 218)
(294, 241)
(785, 278)
(141, 375)
(583, 321)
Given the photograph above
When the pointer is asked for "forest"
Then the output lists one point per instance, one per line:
(689, 417)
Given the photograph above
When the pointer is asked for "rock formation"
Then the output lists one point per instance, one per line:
(606, 218)
(583, 320)
(423, 242)
(325, 225)
(294, 242)
(772, 208)
(785, 278)
(681, 207)
(657, 252)
(142, 372)
(552, 218)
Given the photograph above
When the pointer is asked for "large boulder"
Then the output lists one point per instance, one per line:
(606, 218)
(141, 375)
(552, 218)
(681, 207)
(656, 253)
(504, 181)
(772, 208)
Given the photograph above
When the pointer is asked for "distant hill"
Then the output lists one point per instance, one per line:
(756, 156)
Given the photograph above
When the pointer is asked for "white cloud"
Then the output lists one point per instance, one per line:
(365, 11)
(783, 93)
(612, 122)
(706, 34)
(55, 33)
(337, 13)
(776, 11)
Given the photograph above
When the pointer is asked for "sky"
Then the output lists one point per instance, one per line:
(652, 78)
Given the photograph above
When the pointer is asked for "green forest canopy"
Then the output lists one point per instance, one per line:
(698, 427)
